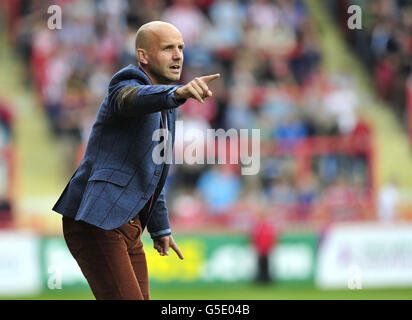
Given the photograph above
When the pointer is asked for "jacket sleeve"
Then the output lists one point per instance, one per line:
(159, 224)
(129, 98)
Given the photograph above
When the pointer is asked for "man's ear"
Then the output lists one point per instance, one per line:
(141, 56)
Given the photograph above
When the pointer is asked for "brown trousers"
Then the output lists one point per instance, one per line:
(112, 261)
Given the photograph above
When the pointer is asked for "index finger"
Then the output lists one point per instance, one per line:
(177, 250)
(207, 79)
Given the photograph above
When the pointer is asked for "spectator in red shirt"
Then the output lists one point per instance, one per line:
(264, 238)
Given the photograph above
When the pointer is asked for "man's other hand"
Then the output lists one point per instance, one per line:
(163, 244)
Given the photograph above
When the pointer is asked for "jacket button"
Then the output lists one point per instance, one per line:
(157, 172)
(144, 196)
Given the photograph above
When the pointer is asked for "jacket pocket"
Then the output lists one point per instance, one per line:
(117, 177)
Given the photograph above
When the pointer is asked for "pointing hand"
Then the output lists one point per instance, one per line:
(197, 88)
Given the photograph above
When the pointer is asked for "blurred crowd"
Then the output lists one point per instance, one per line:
(269, 56)
(384, 44)
(6, 138)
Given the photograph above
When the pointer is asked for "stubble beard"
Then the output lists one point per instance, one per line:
(162, 77)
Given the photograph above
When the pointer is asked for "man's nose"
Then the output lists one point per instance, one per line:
(177, 55)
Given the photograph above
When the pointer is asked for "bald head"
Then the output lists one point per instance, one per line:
(152, 32)
(159, 51)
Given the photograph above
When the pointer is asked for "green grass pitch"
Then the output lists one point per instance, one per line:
(241, 292)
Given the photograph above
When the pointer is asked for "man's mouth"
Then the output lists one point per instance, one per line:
(175, 68)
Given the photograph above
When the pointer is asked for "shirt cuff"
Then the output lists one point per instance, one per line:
(161, 233)
(172, 101)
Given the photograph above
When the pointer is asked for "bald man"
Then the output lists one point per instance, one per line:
(118, 188)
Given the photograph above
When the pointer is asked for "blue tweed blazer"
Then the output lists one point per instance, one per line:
(117, 175)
